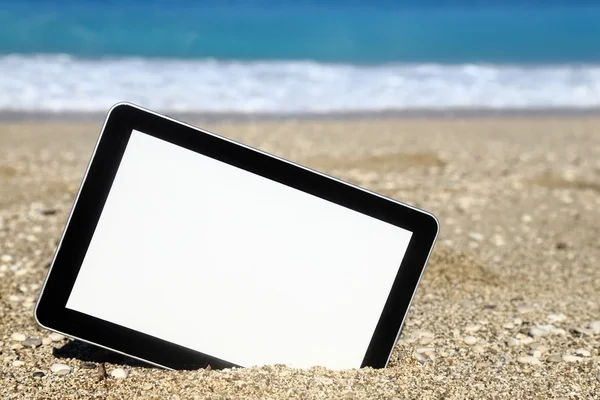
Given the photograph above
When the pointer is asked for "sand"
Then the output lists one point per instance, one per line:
(505, 309)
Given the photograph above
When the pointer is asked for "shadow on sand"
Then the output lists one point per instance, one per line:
(91, 354)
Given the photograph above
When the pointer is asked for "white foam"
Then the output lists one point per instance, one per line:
(62, 83)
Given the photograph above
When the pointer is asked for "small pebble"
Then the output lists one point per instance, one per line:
(508, 325)
(32, 342)
(56, 337)
(472, 328)
(421, 334)
(6, 258)
(595, 327)
(539, 347)
(476, 236)
(482, 365)
(545, 330)
(554, 358)
(571, 358)
(478, 349)
(19, 337)
(526, 218)
(583, 352)
(18, 363)
(119, 373)
(529, 360)
(422, 350)
(46, 341)
(512, 342)
(526, 340)
(498, 240)
(464, 203)
(420, 357)
(88, 365)
(38, 374)
(525, 309)
(539, 331)
(60, 369)
(147, 386)
(556, 317)
(470, 340)
(535, 353)
(325, 381)
(425, 341)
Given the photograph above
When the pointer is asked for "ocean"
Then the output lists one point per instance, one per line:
(291, 57)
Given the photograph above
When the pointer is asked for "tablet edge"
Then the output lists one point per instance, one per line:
(202, 130)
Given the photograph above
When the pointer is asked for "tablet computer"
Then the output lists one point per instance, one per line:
(186, 249)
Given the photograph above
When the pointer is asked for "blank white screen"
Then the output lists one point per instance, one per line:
(219, 260)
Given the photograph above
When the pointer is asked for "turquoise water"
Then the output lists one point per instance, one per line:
(293, 56)
(334, 31)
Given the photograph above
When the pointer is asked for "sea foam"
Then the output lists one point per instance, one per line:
(61, 83)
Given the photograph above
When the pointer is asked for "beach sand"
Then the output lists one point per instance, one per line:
(505, 308)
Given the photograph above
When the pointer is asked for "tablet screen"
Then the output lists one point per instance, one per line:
(217, 259)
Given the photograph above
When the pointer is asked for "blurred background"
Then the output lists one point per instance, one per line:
(295, 57)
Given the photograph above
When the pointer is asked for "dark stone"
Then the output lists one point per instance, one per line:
(38, 374)
(561, 245)
(88, 365)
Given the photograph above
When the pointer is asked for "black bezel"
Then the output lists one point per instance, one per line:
(122, 119)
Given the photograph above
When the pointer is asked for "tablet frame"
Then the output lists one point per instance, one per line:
(51, 312)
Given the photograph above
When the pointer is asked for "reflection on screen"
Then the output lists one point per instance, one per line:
(234, 265)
